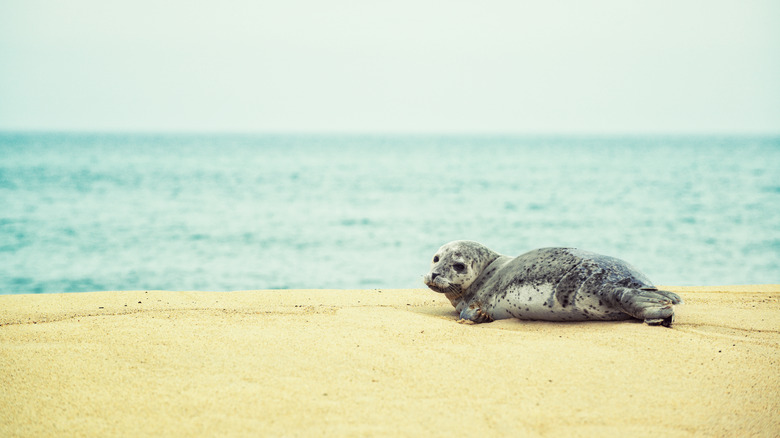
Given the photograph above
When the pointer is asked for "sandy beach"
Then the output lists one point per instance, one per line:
(380, 363)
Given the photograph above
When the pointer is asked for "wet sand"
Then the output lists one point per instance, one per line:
(380, 363)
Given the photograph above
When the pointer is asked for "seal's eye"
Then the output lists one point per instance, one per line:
(435, 259)
(458, 267)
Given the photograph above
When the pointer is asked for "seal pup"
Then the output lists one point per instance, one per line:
(551, 284)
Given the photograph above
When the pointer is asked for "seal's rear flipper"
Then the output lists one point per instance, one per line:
(666, 322)
(673, 297)
(655, 307)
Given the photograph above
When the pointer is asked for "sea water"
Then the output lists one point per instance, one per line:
(85, 212)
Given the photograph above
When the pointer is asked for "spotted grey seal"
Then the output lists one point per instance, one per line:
(552, 284)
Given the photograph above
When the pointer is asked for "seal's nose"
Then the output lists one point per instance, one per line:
(434, 275)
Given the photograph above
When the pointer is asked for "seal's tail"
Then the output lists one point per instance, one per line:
(648, 303)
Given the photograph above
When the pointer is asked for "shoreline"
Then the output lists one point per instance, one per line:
(380, 362)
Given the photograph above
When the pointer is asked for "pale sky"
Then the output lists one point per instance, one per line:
(595, 67)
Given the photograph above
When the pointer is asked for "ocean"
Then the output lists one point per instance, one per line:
(89, 212)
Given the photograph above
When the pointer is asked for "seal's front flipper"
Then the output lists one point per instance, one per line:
(474, 314)
(655, 307)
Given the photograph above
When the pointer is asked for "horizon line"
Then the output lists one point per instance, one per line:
(385, 133)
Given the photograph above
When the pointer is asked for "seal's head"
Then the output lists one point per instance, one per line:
(456, 265)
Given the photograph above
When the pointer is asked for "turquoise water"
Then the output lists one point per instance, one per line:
(231, 212)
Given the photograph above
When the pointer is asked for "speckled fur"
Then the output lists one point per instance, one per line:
(553, 284)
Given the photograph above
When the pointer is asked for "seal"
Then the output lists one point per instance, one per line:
(550, 284)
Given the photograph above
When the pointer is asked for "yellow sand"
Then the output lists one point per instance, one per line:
(380, 363)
